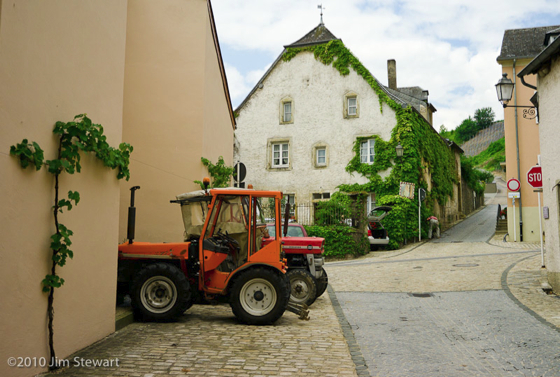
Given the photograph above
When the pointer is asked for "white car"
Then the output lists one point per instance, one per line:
(377, 234)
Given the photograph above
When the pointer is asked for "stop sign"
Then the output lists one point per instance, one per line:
(534, 177)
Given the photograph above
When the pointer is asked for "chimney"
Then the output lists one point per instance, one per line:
(392, 73)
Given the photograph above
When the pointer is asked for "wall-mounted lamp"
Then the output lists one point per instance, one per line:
(504, 90)
(399, 149)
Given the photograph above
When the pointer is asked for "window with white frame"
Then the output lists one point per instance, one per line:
(280, 155)
(287, 114)
(321, 156)
(367, 151)
(352, 106)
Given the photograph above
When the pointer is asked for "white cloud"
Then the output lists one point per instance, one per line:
(447, 47)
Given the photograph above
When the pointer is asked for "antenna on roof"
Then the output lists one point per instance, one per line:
(320, 6)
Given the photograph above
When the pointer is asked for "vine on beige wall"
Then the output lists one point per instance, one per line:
(79, 135)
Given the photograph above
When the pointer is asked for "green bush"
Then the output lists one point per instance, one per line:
(340, 240)
(334, 211)
(402, 221)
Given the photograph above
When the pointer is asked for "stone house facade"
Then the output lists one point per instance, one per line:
(297, 128)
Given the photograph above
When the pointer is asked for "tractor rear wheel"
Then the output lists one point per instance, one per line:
(259, 296)
(322, 283)
(303, 286)
(160, 292)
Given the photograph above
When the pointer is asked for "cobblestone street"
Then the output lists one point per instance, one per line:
(208, 341)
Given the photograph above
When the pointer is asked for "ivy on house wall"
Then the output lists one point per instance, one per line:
(424, 149)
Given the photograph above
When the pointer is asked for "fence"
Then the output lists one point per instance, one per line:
(312, 214)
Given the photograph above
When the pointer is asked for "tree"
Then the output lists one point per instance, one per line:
(484, 118)
(466, 130)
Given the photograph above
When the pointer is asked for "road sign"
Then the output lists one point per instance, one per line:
(422, 194)
(239, 173)
(534, 177)
(514, 195)
(513, 185)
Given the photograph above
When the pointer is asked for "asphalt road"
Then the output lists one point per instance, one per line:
(479, 227)
(441, 309)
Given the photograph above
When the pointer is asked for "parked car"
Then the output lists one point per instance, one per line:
(377, 234)
(294, 230)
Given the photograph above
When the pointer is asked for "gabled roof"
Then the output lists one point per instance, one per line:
(316, 36)
(524, 43)
(320, 35)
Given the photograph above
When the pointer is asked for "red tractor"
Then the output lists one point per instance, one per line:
(223, 259)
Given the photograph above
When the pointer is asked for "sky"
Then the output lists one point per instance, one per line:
(448, 47)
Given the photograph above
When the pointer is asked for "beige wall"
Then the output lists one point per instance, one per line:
(529, 149)
(175, 111)
(44, 79)
(549, 92)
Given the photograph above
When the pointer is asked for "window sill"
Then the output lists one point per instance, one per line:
(279, 168)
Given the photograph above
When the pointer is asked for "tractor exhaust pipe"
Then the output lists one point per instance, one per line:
(131, 216)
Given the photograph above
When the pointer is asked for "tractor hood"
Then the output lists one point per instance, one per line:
(300, 245)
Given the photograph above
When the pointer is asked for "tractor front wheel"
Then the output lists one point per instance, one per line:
(160, 292)
(303, 286)
(259, 296)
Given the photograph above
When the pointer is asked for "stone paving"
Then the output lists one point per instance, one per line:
(208, 341)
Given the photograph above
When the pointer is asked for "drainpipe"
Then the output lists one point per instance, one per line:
(517, 150)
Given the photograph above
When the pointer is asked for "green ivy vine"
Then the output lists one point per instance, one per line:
(424, 149)
(220, 173)
(79, 135)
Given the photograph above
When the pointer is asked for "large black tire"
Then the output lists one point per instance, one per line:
(303, 286)
(322, 283)
(259, 296)
(160, 292)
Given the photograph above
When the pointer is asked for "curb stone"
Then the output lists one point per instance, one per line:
(353, 347)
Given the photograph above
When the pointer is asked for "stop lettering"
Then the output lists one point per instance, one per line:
(534, 177)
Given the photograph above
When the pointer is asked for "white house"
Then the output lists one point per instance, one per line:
(297, 128)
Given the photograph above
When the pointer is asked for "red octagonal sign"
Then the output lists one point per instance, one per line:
(534, 177)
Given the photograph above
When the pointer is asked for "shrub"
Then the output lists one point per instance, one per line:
(339, 240)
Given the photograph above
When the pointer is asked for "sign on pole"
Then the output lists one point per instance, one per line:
(513, 185)
(239, 173)
(534, 177)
